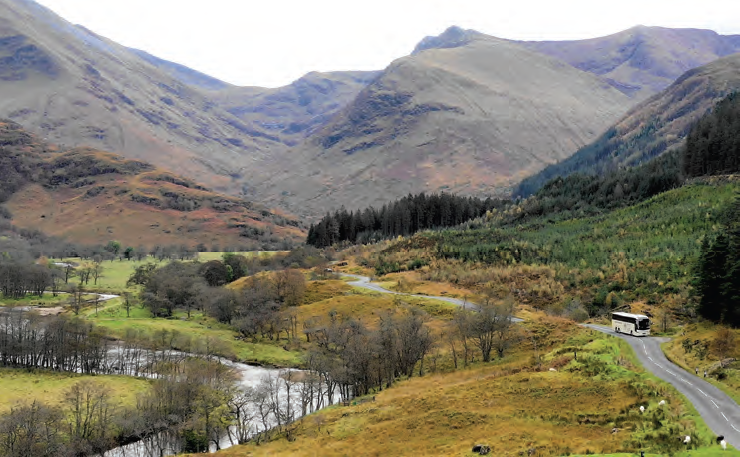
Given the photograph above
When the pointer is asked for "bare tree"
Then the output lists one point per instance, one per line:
(290, 286)
(76, 298)
(97, 269)
(69, 271)
(32, 430)
(90, 415)
(244, 415)
(463, 327)
(505, 332)
(127, 303)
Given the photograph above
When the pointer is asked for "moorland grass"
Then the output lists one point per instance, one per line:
(701, 356)
(506, 404)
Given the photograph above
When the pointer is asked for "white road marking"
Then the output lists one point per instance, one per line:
(689, 383)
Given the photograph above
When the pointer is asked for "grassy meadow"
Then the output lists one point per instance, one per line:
(22, 387)
(693, 349)
(194, 332)
(511, 405)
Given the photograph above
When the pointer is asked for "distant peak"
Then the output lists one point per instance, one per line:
(453, 37)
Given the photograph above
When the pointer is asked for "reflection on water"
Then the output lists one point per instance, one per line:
(269, 398)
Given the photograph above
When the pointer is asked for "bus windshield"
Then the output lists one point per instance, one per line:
(643, 324)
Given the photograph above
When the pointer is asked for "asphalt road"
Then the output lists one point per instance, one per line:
(364, 282)
(719, 411)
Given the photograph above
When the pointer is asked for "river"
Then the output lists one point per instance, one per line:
(250, 377)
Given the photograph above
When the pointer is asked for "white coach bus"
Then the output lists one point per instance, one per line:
(631, 324)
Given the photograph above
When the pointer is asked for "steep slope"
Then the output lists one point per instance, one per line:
(470, 117)
(642, 61)
(297, 110)
(184, 74)
(76, 88)
(657, 125)
(89, 196)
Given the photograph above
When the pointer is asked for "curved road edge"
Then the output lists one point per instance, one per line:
(719, 411)
(364, 282)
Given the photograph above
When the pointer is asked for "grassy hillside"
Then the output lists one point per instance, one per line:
(89, 196)
(657, 125)
(470, 119)
(642, 61)
(74, 87)
(642, 254)
(575, 409)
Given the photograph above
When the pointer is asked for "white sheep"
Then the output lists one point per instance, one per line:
(723, 443)
(687, 440)
(662, 403)
(642, 409)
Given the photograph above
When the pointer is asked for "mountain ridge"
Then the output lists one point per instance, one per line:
(642, 60)
(654, 127)
(442, 119)
(90, 196)
(325, 128)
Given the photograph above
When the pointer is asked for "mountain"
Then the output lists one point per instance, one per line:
(295, 111)
(657, 125)
(89, 196)
(642, 61)
(76, 88)
(466, 113)
(184, 74)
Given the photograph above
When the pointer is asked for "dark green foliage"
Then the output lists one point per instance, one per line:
(581, 195)
(216, 273)
(718, 270)
(713, 145)
(238, 264)
(401, 217)
(654, 241)
(604, 155)
(176, 285)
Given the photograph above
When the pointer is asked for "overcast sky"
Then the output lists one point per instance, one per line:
(273, 42)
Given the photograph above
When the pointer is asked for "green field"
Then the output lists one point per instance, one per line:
(117, 272)
(22, 387)
(207, 256)
(199, 329)
(47, 300)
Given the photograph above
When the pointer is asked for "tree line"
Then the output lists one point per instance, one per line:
(405, 216)
(713, 144)
(717, 270)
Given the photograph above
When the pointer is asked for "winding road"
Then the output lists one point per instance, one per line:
(364, 282)
(719, 411)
